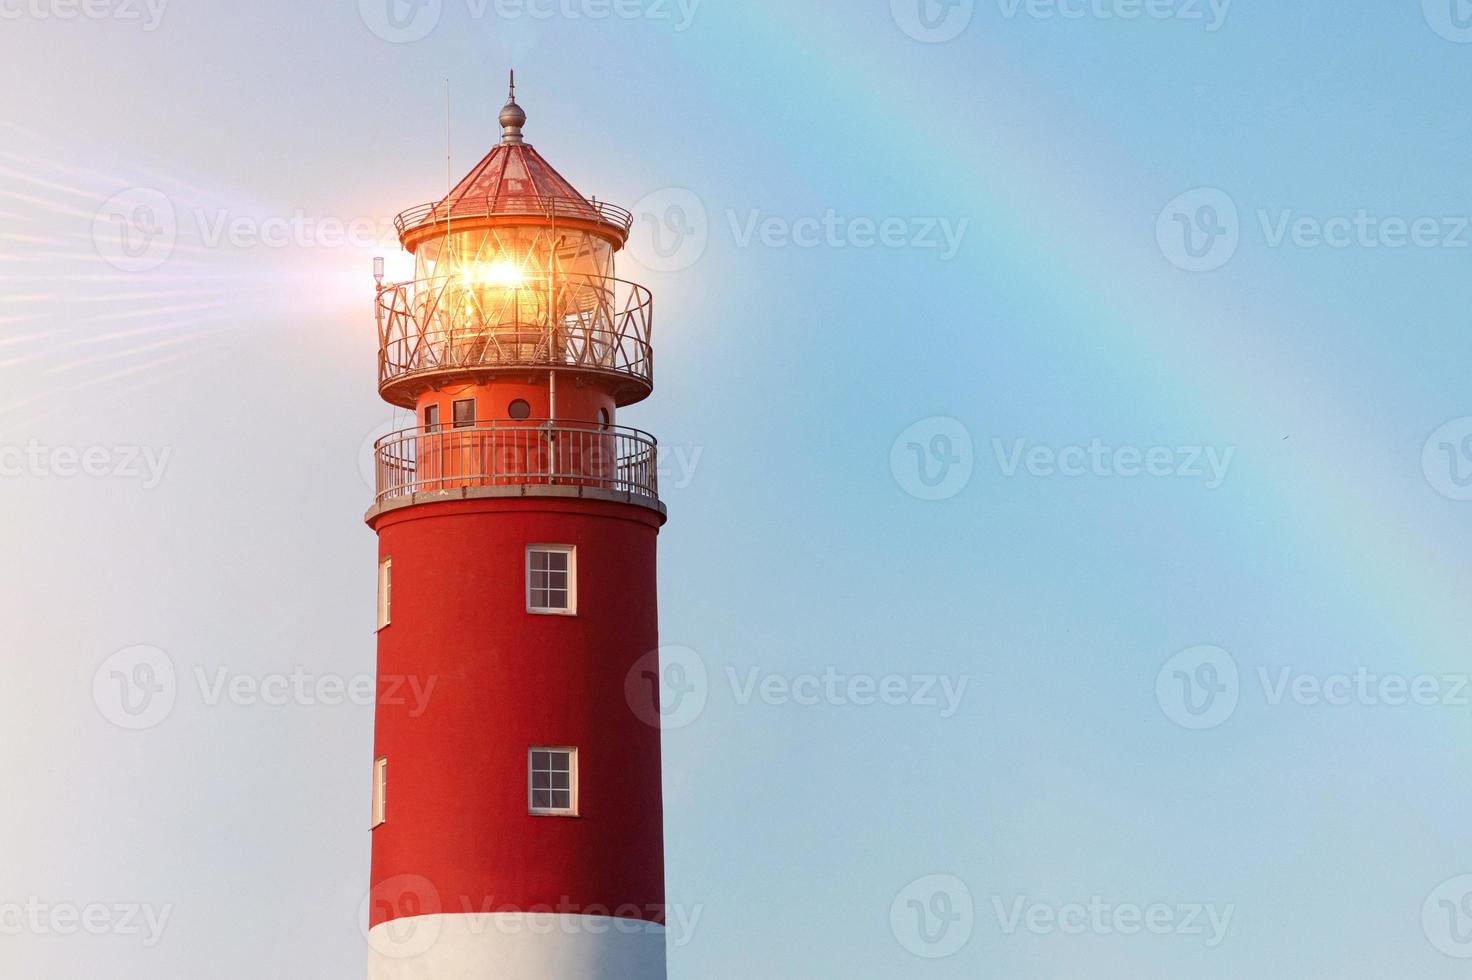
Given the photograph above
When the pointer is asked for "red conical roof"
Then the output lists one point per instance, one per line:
(514, 179)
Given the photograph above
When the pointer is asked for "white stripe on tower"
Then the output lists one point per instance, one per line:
(517, 946)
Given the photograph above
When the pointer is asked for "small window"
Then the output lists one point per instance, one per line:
(603, 418)
(551, 579)
(432, 418)
(385, 591)
(552, 783)
(380, 793)
(464, 413)
(519, 409)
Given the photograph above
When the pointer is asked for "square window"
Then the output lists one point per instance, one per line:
(465, 413)
(552, 782)
(551, 579)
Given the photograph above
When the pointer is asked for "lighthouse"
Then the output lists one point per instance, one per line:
(517, 812)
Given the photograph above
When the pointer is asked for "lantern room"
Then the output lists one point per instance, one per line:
(515, 344)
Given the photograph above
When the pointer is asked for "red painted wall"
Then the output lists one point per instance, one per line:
(506, 680)
(574, 403)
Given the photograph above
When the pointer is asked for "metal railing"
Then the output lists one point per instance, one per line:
(438, 325)
(511, 454)
(528, 206)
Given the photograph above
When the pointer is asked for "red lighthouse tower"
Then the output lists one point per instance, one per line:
(518, 828)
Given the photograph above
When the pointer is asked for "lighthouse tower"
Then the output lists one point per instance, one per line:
(517, 810)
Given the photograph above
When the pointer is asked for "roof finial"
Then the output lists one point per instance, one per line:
(512, 117)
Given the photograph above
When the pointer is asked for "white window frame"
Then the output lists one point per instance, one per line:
(380, 792)
(572, 579)
(385, 592)
(572, 781)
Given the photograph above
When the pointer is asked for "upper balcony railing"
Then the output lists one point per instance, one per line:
(439, 330)
(578, 455)
(502, 206)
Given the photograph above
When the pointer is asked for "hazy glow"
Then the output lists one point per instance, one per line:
(502, 273)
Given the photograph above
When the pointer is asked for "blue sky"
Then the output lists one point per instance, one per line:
(1184, 691)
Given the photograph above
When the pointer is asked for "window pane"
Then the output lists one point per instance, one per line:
(562, 800)
(542, 798)
(549, 579)
(560, 762)
(464, 413)
(559, 780)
